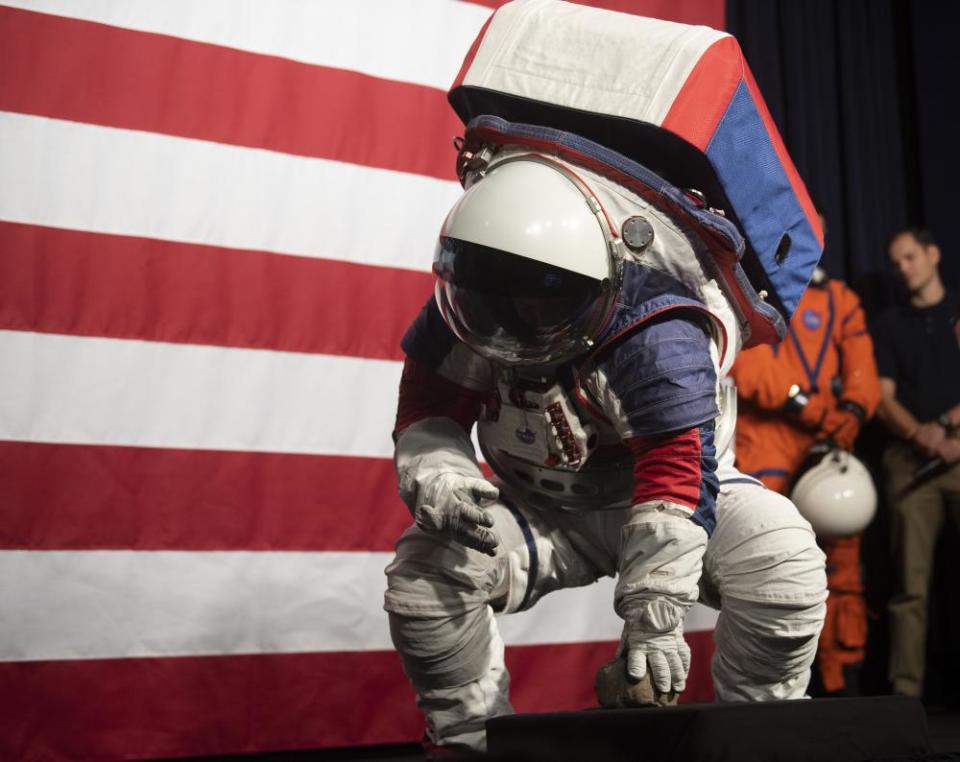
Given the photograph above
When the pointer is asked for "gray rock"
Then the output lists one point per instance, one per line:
(616, 691)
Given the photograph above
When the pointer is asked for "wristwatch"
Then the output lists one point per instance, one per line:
(797, 399)
(853, 408)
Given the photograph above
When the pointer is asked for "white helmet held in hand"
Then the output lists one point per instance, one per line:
(527, 266)
(834, 492)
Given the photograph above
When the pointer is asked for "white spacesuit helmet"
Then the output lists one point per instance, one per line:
(835, 493)
(527, 266)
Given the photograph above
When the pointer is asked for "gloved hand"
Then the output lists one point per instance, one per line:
(654, 637)
(661, 561)
(841, 427)
(452, 504)
(814, 412)
(442, 485)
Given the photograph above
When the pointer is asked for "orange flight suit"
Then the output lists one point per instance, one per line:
(829, 354)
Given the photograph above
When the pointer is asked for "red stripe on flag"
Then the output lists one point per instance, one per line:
(92, 284)
(84, 497)
(67, 69)
(192, 706)
(701, 102)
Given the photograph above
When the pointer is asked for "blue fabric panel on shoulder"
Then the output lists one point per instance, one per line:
(642, 284)
(645, 292)
(740, 149)
(428, 340)
(662, 374)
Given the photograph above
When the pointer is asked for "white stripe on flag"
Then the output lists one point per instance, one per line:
(419, 41)
(110, 604)
(101, 179)
(581, 615)
(80, 390)
(116, 604)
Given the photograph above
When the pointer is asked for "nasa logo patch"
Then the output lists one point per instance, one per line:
(811, 319)
(526, 436)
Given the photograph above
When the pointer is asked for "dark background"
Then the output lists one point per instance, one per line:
(863, 93)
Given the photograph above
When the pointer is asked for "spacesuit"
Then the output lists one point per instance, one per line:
(578, 323)
(828, 359)
(818, 384)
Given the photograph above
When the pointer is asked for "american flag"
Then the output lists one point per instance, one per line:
(217, 219)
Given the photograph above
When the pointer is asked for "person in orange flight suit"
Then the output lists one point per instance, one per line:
(819, 383)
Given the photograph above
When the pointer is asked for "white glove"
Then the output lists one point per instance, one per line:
(661, 562)
(442, 484)
(655, 637)
(451, 504)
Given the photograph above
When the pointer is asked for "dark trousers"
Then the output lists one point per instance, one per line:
(918, 513)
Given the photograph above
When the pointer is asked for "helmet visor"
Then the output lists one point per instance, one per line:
(514, 309)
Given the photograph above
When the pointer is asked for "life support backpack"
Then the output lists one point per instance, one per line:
(670, 111)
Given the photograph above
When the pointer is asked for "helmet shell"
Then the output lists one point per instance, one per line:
(527, 266)
(835, 494)
(529, 208)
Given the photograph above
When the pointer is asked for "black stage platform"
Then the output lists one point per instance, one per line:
(823, 730)
(885, 729)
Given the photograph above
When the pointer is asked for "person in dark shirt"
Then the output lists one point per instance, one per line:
(918, 359)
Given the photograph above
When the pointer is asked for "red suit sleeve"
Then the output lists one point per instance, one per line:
(426, 394)
(668, 467)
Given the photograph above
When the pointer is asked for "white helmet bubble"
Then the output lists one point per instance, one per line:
(527, 267)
